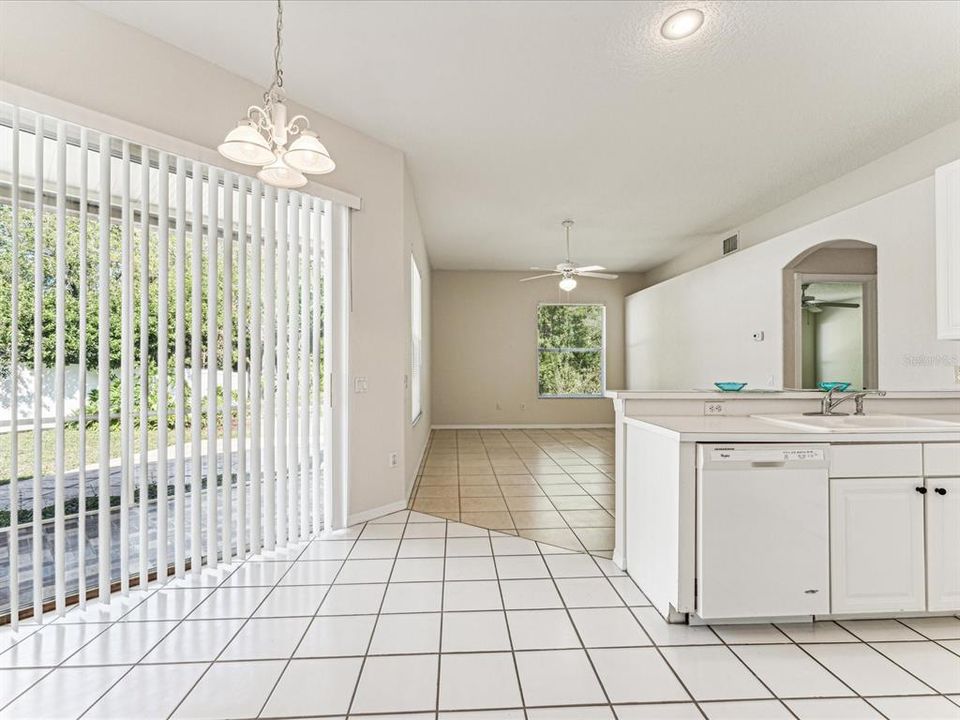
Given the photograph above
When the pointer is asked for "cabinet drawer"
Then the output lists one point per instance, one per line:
(881, 460)
(941, 459)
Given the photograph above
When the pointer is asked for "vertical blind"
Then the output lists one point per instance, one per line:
(161, 364)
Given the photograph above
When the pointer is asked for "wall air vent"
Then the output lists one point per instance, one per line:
(731, 243)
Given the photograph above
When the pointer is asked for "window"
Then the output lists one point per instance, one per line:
(416, 341)
(570, 360)
(160, 364)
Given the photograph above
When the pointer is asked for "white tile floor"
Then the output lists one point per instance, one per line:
(414, 617)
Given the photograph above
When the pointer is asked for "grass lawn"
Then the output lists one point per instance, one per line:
(71, 446)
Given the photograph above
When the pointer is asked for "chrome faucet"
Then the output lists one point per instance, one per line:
(829, 403)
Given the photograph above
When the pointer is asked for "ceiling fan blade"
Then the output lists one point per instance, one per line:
(538, 277)
(589, 268)
(601, 276)
(544, 269)
(824, 303)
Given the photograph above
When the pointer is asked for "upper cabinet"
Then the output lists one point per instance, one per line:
(948, 251)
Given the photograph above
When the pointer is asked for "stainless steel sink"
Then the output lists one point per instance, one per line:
(862, 423)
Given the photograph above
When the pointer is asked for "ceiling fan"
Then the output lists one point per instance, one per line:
(567, 271)
(811, 304)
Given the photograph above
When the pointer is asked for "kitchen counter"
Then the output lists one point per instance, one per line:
(699, 428)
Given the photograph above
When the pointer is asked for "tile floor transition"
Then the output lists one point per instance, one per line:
(553, 486)
(412, 617)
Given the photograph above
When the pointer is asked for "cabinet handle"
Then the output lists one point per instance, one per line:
(940, 491)
(921, 490)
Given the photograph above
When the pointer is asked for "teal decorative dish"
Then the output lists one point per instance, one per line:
(730, 386)
(840, 386)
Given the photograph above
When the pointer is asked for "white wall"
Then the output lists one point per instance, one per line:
(485, 348)
(696, 328)
(69, 52)
(908, 164)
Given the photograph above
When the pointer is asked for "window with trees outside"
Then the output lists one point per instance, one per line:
(570, 342)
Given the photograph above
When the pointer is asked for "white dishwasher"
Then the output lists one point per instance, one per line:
(762, 531)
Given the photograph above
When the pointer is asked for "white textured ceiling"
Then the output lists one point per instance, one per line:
(515, 115)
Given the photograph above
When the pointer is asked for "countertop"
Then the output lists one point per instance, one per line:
(766, 394)
(744, 428)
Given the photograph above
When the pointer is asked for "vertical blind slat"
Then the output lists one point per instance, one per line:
(179, 520)
(282, 364)
(241, 530)
(212, 337)
(59, 391)
(303, 395)
(103, 373)
(126, 367)
(269, 443)
(227, 304)
(143, 505)
(15, 375)
(293, 367)
(163, 313)
(316, 405)
(38, 369)
(196, 402)
(256, 381)
(82, 384)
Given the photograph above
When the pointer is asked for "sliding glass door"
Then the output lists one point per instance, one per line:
(161, 364)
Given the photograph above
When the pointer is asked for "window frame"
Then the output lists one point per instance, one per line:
(416, 342)
(602, 350)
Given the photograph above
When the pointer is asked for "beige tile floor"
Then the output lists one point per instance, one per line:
(554, 486)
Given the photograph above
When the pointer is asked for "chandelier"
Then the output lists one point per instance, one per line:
(284, 148)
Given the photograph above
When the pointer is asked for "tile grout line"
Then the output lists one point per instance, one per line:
(313, 618)
(506, 622)
(239, 629)
(373, 631)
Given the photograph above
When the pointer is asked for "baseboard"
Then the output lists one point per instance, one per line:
(376, 512)
(526, 426)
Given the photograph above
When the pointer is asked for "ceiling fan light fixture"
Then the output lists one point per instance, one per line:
(568, 284)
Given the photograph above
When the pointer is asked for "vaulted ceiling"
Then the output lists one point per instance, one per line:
(515, 115)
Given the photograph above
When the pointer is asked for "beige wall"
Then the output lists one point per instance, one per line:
(485, 348)
(72, 53)
(416, 434)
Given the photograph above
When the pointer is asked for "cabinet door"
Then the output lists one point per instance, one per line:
(948, 251)
(943, 543)
(876, 545)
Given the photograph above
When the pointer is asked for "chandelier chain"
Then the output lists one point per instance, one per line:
(277, 56)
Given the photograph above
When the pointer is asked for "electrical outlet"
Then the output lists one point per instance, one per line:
(393, 459)
(956, 374)
(499, 406)
(523, 406)
(359, 384)
(713, 408)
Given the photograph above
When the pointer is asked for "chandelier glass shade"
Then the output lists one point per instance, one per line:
(284, 149)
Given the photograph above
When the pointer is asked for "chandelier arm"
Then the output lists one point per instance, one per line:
(294, 128)
(261, 118)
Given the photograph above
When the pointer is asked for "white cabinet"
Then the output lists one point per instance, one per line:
(877, 545)
(943, 543)
(947, 179)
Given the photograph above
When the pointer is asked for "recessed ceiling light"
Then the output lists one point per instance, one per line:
(682, 24)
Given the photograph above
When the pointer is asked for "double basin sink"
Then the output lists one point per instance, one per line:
(861, 423)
